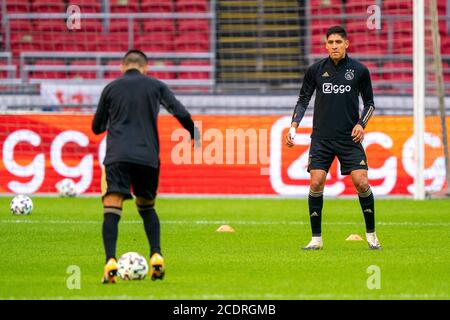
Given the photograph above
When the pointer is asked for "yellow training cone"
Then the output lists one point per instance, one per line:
(225, 228)
(354, 237)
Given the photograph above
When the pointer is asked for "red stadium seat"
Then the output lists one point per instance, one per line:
(320, 27)
(47, 74)
(113, 74)
(16, 25)
(118, 6)
(26, 41)
(47, 6)
(83, 74)
(368, 44)
(357, 26)
(86, 39)
(192, 6)
(3, 74)
(197, 25)
(166, 25)
(67, 42)
(442, 7)
(388, 90)
(194, 74)
(318, 40)
(326, 7)
(397, 7)
(431, 76)
(325, 3)
(318, 44)
(401, 71)
(374, 70)
(163, 75)
(49, 62)
(88, 6)
(367, 48)
(93, 25)
(157, 6)
(154, 42)
(445, 45)
(112, 42)
(17, 6)
(54, 25)
(402, 28)
(116, 25)
(403, 44)
(356, 7)
(195, 42)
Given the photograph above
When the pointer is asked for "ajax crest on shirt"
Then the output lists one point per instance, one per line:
(350, 74)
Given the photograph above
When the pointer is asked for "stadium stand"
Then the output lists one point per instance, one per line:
(259, 46)
(159, 6)
(236, 45)
(390, 47)
(170, 32)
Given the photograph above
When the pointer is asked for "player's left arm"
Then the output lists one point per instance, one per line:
(365, 88)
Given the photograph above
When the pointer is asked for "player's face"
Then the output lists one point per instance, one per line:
(336, 46)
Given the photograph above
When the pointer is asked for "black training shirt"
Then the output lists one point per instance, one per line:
(128, 109)
(336, 107)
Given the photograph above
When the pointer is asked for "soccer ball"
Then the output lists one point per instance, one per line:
(132, 266)
(66, 188)
(21, 205)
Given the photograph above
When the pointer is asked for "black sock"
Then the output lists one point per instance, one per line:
(368, 208)
(315, 203)
(110, 230)
(152, 228)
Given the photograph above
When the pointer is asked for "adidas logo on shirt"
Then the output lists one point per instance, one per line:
(325, 74)
(362, 163)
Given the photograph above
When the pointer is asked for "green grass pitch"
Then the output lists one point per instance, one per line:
(261, 260)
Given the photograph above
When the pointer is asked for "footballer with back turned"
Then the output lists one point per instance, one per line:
(128, 110)
(338, 129)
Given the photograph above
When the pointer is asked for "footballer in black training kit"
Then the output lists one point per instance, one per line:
(338, 129)
(128, 110)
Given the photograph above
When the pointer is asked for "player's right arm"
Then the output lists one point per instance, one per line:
(100, 121)
(306, 92)
(176, 108)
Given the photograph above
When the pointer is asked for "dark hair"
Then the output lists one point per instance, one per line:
(337, 30)
(135, 56)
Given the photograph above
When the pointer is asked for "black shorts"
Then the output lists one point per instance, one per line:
(351, 155)
(120, 177)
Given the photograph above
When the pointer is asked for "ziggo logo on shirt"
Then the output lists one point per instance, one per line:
(330, 88)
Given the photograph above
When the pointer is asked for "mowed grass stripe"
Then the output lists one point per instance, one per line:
(261, 260)
(380, 223)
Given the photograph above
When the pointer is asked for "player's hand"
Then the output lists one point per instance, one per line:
(290, 137)
(197, 143)
(197, 140)
(358, 133)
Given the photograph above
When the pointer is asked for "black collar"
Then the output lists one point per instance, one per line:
(132, 72)
(343, 60)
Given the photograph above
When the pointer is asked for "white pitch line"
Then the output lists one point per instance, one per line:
(238, 222)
